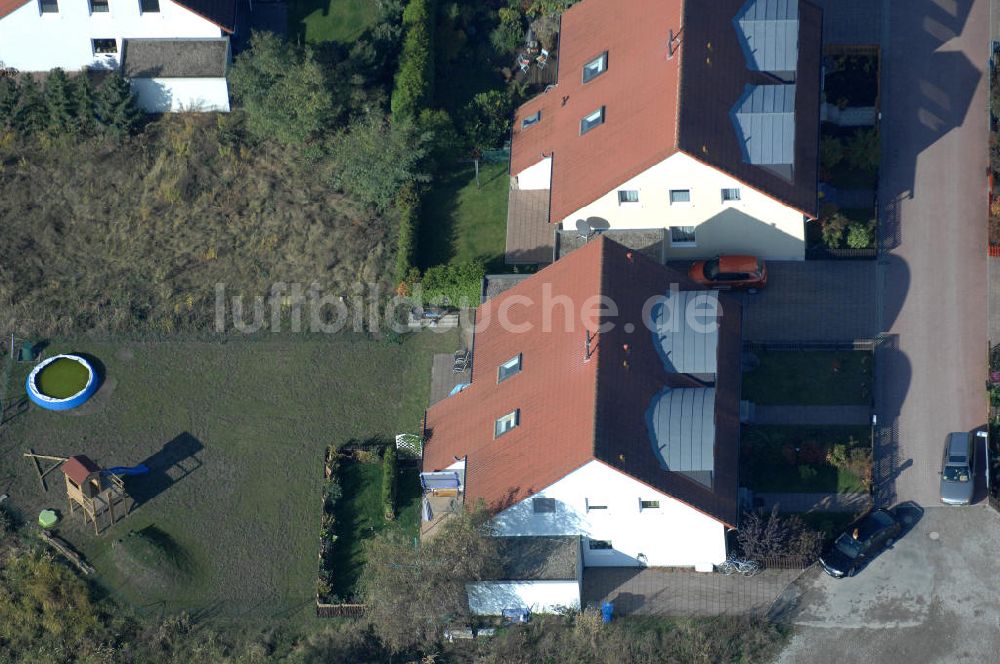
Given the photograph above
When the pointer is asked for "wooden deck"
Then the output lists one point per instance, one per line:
(538, 77)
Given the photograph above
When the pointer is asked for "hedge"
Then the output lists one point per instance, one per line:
(456, 284)
(408, 208)
(414, 84)
(331, 494)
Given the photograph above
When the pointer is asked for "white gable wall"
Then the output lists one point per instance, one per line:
(756, 224)
(538, 176)
(171, 95)
(32, 41)
(674, 535)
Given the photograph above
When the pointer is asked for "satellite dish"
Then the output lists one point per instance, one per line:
(598, 224)
(583, 228)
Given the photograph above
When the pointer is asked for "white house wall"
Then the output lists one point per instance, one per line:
(32, 41)
(165, 95)
(674, 535)
(489, 598)
(756, 224)
(538, 176)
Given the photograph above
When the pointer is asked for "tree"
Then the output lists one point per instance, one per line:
(411, 594)
(116, 107)
(283, 90)
(373, 159)
(862, 150)
(60, 102)
(9, 95)
(31, 115)
(86, 104)
(487, 119)
(833, 229)
(761, 536)
(831, 152)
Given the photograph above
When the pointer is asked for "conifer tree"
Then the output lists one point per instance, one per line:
(31, 115)
(86, 104)
(60, 103)
(116, 107)
(9, 94)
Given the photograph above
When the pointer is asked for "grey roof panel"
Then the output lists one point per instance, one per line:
(175, 58)
(769, 34)
(764, 119)
(681, 427)
(682, 346)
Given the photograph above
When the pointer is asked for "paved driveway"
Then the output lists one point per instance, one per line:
(930, 373)
(931, 598)
(825, 301)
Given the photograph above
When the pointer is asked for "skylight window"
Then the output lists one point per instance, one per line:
(543, 505)
(509, 368)
(593, 120)
(506, 423)
(531, 120)
(595, 67)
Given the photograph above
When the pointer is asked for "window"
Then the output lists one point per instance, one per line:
(680, 196)
(149, 6)
(593, 506)
(595, 67)
(682, 236)
(649, 504)
(98, 6)
(49, 6)
(543, 505)
(509, 368)
(731, 194)
(590, 121)
(104, 46)
(506, 423)
(531, 120)
(600, 545)
(628, 196)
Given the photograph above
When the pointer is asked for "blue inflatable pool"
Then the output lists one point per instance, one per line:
(87, 380)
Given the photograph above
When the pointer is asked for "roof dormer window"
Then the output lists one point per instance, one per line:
(530, 120)
(595, 67)
(592, 120)
(506, 423)
(509, 368)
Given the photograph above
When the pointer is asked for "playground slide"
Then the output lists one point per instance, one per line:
(141, 469)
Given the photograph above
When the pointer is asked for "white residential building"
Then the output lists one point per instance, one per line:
(180, 42)
(618, 426)
(700, 120)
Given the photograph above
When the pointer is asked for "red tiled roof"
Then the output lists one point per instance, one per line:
(573, 411)
(79, 468)
(638, 91)
(8, 6)
(655, 106)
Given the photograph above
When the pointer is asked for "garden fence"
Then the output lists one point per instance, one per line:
(340, 610)
(784, 562)
(857, 344)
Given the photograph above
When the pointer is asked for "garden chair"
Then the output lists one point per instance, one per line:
(542, 59)
(461, 363)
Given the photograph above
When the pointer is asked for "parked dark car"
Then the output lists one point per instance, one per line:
(730, 272)
(860, 543)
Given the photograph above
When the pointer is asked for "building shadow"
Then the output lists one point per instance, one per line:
(171, 464)
(893, 373)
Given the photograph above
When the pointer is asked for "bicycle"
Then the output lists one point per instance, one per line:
(734, 565)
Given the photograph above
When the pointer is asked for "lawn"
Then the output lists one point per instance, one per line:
(461, 221)
(359, 517)
(317, 21)
(249, 420)
(792, 459)
(818, 378)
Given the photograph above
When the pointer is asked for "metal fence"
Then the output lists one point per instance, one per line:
(857, 344)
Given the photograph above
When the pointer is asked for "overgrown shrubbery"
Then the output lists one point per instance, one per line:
(389, 481)
(328, 528)
(854, 458)
(771, 535)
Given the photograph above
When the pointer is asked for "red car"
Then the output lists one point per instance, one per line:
(730, 272)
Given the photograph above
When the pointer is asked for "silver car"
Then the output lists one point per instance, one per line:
(957, 480)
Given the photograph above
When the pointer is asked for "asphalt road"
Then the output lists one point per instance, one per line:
(932, 273)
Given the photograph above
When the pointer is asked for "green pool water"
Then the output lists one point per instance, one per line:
(62, 379)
